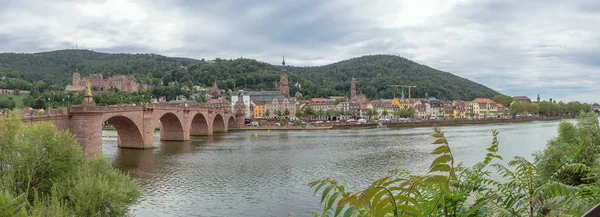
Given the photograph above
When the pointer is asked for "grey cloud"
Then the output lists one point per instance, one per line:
(521, 48)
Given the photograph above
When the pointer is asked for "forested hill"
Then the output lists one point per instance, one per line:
(56, 67)
(372, 73)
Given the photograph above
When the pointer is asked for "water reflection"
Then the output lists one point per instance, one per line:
(263, 173)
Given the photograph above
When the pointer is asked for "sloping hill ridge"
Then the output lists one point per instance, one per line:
(372, 73)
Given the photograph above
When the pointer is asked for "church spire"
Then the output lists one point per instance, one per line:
(283, 64)
(402, 93)
(284, 89)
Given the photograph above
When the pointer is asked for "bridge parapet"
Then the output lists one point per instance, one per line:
(100, 109)
(46, 113)
(177, 107)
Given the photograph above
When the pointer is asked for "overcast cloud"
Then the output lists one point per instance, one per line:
(516, 47)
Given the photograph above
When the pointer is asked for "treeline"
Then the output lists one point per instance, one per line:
(372, 74)
(546, 108)
(550, 108)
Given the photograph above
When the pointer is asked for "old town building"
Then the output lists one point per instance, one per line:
(482, 108)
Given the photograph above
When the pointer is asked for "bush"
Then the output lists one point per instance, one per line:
(48, 168)
(454, 190)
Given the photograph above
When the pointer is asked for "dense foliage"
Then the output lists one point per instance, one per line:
(563, 182)
(550, 108)
(503, 99)
(543, 108)
(374, 72)
(43, 172)
(53, 70)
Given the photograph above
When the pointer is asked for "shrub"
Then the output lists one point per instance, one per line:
(48, 168)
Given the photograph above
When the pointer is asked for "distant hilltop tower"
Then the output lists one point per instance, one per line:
(284, 88)
(352, 89)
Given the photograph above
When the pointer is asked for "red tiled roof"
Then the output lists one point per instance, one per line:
(483, 100)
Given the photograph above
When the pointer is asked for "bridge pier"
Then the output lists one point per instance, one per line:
(87, 130)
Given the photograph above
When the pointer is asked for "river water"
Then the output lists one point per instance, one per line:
(260, 173)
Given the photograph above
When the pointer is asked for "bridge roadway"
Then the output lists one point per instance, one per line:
(135, 125)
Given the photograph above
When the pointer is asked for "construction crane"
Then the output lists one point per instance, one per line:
(407, 86)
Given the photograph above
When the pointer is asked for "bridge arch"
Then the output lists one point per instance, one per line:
(171, 128)
(199, 126)
(129, 134)
(231, 123)
(219, 124)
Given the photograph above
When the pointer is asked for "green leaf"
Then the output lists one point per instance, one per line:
(332, 199)
(438, 135)
(436, 179)
(402, 198)
(440, 168)
(442, 159)
(320, 185)
(350, 211)
(326, 192)
(383, 207)
(440, 150)
(440, 141)
(338, 210)
(409, 209)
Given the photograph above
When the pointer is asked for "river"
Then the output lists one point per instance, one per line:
(260, 173)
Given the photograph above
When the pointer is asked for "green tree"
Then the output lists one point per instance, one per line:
(518, 108)
(502, 99)
(384, 113)
(320, 113)
(575, 144)
(505, 113)
(267, 113)
(48, 168)
(372, 113)
(406, 113)
(286, 112)
(340, 100)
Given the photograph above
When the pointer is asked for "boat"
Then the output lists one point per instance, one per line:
(318, 127)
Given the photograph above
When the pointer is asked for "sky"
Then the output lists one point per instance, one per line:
(550, 47)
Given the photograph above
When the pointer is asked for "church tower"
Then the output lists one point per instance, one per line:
(538, 98)
(284, 88)
(352, 89)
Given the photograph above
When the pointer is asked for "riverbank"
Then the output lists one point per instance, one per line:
(414, 124)
(472, 122)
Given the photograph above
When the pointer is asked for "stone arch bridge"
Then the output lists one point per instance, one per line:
(136, 125)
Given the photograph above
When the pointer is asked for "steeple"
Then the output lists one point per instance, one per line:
(284, 88)
(283, 65)
(538, 98)
(402, 93)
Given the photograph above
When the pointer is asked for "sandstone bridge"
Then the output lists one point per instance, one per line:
(136, 125)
